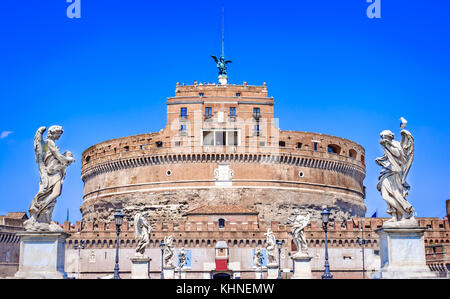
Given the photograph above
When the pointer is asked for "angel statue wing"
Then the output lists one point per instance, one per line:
(307, 219)
(39, 144)
(228, 61)
(215, 58)
(304, 220)
(137, 226)
(407, 144)
(39, 150)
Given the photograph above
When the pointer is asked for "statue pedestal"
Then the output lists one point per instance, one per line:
(183, 273)
(42, 255)
(258, 273)
(272, 271)
(302, 267)
(140, 267)
(223, 79)
(169, 272)
(402, 253)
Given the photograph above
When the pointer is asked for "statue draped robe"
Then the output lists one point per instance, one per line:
(142, 233)
(50, 187)
(298, 232)
(396, 162)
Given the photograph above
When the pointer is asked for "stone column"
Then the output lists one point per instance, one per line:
(402, 253)
(140, 267)
(42, 255)
(302, 267)
(272, 271)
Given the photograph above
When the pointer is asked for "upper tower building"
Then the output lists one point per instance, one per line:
(222, 146)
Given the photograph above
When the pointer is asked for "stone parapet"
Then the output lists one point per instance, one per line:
(250, 234)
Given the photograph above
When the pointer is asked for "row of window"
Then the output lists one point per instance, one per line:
(231, 138)
(232, 112)
(202, 94)
(331, 148)
(221, 138)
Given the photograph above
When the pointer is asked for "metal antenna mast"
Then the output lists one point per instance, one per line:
(223, 31)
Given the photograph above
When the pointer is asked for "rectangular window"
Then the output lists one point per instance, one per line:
(299, 145)
(238, 94)
(232, 138)
(208, 138)
(201, 94)
(315, 146)
(282, 144)
(183, 112)
(232, 111)
(183, 128)
(221, 138)
(256, 113)
(159, 144)
(256, 130)
(208, 111)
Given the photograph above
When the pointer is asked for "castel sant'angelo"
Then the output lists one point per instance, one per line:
(215, 178)
(221, 146)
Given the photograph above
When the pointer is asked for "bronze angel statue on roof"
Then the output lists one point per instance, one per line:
(396, 163)
(52, 168)
(221, 64)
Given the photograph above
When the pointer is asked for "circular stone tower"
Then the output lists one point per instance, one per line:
(222, 146)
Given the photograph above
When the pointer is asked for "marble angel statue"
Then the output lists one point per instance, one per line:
(142, 232)
(181, 258)
(168, 252)
(300, 222)
(396, 163)
(52, 168)
(270, 246)
(258, 257)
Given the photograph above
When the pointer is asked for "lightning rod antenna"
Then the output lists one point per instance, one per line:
(223, 31)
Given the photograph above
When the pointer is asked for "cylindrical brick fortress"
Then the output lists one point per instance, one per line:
(222, 146)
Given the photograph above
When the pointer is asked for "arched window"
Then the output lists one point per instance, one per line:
(221, 223)
(352, 153)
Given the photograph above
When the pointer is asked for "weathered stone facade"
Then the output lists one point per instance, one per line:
(222, 144)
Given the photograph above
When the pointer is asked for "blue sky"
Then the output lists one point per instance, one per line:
(329, 67)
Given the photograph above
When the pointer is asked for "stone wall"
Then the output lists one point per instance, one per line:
(97, 259)
(9, 250)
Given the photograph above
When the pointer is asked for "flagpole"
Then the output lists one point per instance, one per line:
(223, 31)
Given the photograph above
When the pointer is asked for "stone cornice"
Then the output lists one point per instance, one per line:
(301, 161)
